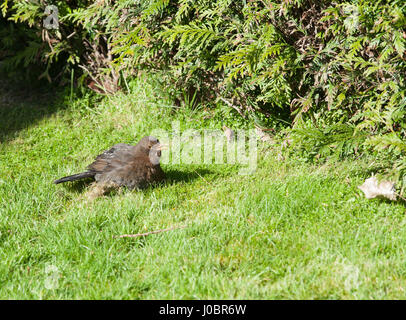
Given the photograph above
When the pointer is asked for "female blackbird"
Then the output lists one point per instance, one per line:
(125, 165)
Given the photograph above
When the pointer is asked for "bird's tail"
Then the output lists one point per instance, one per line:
(87, 174)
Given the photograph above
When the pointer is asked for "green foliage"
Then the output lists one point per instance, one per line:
(322, 66)
(337, 141)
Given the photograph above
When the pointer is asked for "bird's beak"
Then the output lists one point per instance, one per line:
(163, 147)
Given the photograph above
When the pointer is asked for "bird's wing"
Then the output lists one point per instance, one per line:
(132, 173)
(119, 151)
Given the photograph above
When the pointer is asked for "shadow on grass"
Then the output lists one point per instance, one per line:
(176, 176)
(22, 105)
(78, 185)
(172, 176)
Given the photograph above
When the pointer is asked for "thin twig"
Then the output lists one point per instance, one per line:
(233, 106)
(71, 35)
(148, 233)
(90, 75)
(202, 177)
(400, 196)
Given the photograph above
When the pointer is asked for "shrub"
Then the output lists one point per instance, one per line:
(335, 70)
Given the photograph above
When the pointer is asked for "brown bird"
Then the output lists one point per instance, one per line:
(134, 167)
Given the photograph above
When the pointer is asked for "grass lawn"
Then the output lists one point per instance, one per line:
(288, 231)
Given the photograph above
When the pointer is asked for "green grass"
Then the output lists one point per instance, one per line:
(288, 231)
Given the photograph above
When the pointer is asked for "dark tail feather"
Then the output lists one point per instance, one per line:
(74, 177)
